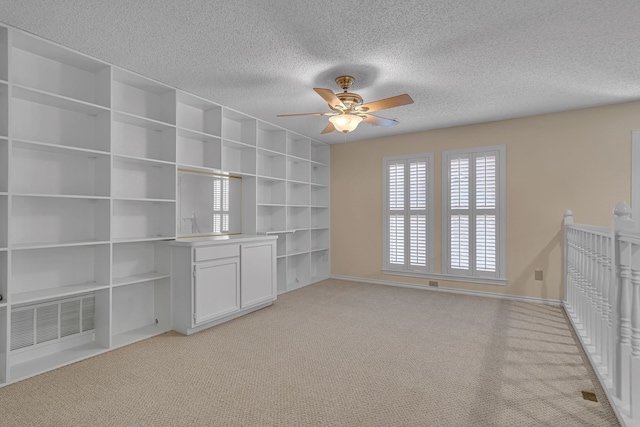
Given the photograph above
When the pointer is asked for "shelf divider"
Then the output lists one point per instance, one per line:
(55, 293)
(139, 278)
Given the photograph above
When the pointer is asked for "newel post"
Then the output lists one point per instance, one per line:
(568, 219)
(620, 298)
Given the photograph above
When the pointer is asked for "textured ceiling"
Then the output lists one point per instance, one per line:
(462, 61)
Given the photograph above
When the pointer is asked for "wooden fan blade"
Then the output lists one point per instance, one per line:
(380, 121)
(330, 128)
(303, 114)
(382, 104)
(330, 97)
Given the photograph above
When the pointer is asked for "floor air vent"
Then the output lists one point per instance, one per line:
(36, 324)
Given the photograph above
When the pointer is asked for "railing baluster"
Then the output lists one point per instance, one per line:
(576, 276)
(585, 285)
(606, 307)
(601, 319)
(572, 272)
(598, 285)
(588, 302)
(624, 343)
(579, 279)
(634, 375)
(568, 262)
(593, 292)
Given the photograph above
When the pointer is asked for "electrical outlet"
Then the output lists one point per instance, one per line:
(325, 257)
(538, 275)
(433, 283)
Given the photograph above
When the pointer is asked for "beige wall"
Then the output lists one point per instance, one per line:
(579, 160)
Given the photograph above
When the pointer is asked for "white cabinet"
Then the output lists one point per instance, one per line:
(218, 279)
(258, 263)
(216, 289)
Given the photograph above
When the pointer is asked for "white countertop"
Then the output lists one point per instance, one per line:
(215, 240)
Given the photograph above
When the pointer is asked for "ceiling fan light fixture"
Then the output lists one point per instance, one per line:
(345, 122)
(348, 110)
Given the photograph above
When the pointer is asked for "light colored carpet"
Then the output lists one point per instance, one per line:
(336, 353)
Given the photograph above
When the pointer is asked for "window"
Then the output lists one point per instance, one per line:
(473, 212)
(408, 213)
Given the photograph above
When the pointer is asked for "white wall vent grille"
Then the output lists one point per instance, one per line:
(47, 323)
(88, 312)
(22, 328)
(69, 318)
(36, 324)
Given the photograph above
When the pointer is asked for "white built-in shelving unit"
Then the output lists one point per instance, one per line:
(89, 162)
(293, 203)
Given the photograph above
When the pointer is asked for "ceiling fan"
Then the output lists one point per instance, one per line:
(347, 109)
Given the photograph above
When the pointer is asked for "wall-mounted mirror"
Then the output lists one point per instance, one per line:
(208, 204)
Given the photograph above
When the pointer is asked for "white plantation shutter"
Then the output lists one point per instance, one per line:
(418, 241)
(225, 205)
(396, 217)
(408, 218)
(459, 183)
(396, 239)
(217, 206)
(486, 243)
(486, 182)
(459, 203)
(418, 213)
(486, 213)
(221, 205)
(460, 241)
(396, 186)
(418, 184)
(473, 199)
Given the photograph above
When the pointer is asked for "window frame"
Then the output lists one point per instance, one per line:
(406, 268)
(499, 277)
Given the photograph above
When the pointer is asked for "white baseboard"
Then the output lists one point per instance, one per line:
(449, 290)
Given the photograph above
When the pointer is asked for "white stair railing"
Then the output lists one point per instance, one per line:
(586, 267)
(602, 299)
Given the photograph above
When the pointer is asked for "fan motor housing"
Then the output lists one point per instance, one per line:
(349, 99)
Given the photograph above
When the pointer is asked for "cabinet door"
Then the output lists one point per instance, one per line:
(258, 273)
(216, 290)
